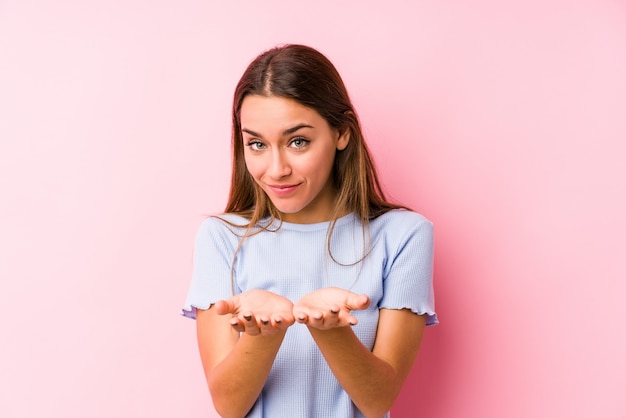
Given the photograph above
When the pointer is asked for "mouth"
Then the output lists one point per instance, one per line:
(283, 189)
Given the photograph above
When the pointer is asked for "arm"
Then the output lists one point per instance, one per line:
(372, 379)
(236, 366)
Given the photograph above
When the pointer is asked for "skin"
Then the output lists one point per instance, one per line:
(290, 150)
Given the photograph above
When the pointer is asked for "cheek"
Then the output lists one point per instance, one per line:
(324, 163)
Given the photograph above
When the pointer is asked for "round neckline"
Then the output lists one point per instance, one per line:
(350, 217)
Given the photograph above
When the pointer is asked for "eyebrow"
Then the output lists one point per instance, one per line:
(288, 131)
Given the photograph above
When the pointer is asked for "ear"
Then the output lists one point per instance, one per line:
(344, 138)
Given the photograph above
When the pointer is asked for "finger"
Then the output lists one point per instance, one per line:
(332, 318)
(301, 317)
(315, 319)
(358, 302)
(250, 323)
(223, 307)
(342, 319)
(266, 326)
(237, 324)
(316, 316)
(284, 320)
(345, 318)
(278, 320)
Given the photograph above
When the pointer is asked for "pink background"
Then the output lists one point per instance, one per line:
(504, 124)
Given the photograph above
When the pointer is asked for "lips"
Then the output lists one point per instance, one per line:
(283, 189)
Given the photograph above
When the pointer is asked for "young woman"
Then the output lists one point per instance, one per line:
(311, 292)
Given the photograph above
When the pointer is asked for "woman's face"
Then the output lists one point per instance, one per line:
(290, 151)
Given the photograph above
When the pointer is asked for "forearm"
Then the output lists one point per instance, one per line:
(371, 382)
(236, 382)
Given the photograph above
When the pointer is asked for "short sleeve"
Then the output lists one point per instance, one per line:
(213, 255)
(408, 275)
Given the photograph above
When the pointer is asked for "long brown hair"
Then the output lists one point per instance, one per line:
(305, 75)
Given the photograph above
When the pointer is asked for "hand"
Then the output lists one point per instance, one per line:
(329, 308)
(257, 312)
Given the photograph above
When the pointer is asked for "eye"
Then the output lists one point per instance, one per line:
(299, 142)
(255, 145)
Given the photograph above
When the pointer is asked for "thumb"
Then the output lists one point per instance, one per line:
(358, 302)
(223, 307)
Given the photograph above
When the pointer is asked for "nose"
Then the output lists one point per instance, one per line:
(279, 165)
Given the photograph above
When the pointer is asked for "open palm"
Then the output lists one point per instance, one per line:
(329, 307)
(257, 312)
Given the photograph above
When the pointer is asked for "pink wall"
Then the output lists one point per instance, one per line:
(503, 124)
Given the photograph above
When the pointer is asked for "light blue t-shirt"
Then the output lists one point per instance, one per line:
(294, 260)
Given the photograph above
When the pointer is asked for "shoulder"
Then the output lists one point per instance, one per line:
(399, 228)
(401, 220)
(224, 220)
(223, 227)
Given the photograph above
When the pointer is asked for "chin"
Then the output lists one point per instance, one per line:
(288, 211)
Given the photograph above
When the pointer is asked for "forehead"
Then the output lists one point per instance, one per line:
(271, 113)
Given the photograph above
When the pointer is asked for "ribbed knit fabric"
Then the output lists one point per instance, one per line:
(396, 273)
